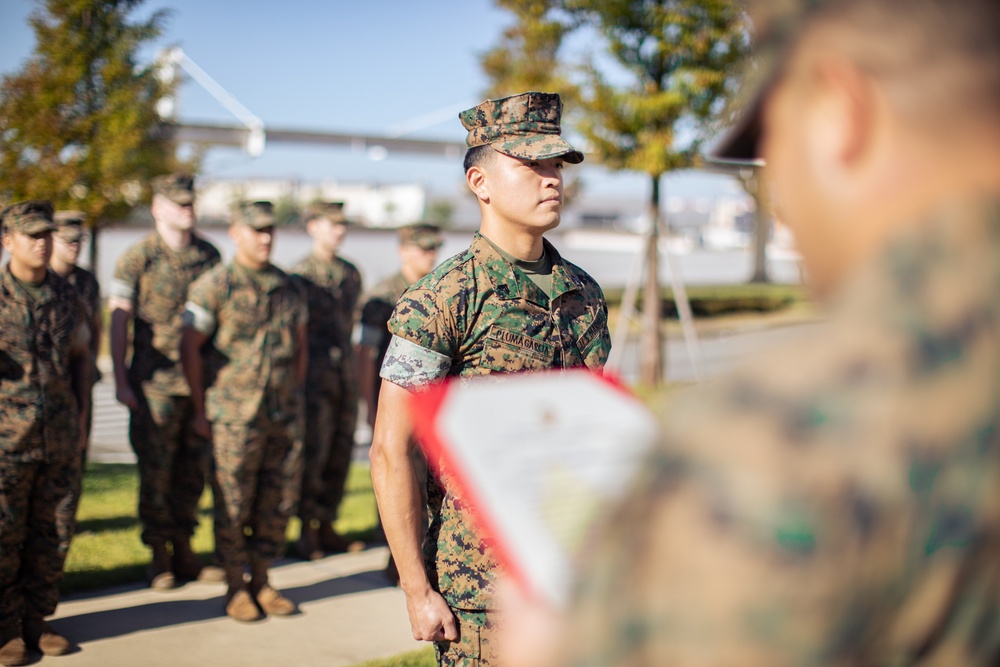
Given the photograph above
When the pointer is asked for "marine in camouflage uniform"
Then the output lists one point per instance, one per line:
(245, 334)
(333, 285)
(65, 250)
(44, 383)
(838, 502)
(418, 246)
(484, 312)
(149, 289)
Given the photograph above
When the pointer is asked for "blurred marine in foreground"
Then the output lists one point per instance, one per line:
(839, 504)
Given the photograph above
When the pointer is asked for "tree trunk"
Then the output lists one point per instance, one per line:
(651, 345)
(761, 228)
(94, 255)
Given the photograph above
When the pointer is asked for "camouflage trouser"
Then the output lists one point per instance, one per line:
(37, 505)
(257, 472)
(331, 418)
(477, 641)
(173, 462)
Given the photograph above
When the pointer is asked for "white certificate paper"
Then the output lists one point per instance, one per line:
(539, 456)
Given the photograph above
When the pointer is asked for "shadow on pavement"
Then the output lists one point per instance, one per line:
(98, 625)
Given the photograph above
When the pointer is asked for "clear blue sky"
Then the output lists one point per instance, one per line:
(340, 65)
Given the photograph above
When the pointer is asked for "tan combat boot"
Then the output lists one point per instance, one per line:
(307, 546)
(271, 601)
(333, 542)
(40, 635)
(13, 651)
(161, 575)
(188, 567)
(239, 603)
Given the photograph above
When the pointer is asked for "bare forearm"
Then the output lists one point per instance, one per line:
(119, 344)
(397, 490)
(366, 376)
(193, 367)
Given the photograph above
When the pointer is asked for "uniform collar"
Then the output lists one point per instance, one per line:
(12, 287)
(510, 283)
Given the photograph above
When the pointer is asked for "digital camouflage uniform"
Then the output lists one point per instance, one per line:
(380, 302)
(331, 386)
(476, 314)
(86, 286)
(375, 314)
(837, 504)
(39, 440)
(254, 400)
(173, 460)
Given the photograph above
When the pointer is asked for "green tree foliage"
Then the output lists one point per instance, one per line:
(680, 56)
(78, 123)
(527, 56)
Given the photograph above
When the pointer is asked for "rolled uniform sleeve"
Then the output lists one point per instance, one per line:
(201, 306)
(125, 281)
(424, 340)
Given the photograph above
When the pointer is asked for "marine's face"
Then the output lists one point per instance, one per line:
(526, 193)
(253, 246)
(179, 217)
(420, 261)
(66, 251)
(329, 235)
(31, 251)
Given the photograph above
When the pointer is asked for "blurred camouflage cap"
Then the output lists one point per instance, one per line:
(524, 126)
(178, 188)
(255, 214)
(777, 23)
(69, 225)
(422, 235)
(28, 217)
(332, 210)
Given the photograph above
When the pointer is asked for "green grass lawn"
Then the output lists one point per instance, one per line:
(107, 550)
(421, 658)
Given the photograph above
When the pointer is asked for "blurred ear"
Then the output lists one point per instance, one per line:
(476, 178)
(845, 117)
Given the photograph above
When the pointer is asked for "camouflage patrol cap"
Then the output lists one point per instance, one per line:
(331, 210)
(255, 214)
(178, 188)
(28, 217)
(524, 126)
(777, 24)
(69, 225)
(422, 235)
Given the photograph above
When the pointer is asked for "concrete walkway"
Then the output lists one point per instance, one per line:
(349, 615)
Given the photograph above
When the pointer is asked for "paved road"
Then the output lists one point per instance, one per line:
(349, 615)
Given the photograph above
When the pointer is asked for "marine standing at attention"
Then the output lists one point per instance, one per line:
(333, 285)
(244, 354)
(509, 303)
(149, 290)
(44, 389)
(65, 251)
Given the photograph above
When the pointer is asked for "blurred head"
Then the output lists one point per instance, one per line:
(252, 231)
(327, 225)
(418, 249)
(173, 201)
(27, 234)
(67, 236)
(868, 113)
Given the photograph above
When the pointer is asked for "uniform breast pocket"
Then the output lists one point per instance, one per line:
(506, 351)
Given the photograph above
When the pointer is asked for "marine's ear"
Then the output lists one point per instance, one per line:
(476, 177)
